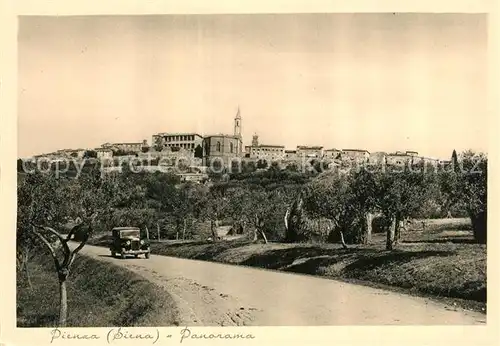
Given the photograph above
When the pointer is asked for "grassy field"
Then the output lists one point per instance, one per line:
(99, 295)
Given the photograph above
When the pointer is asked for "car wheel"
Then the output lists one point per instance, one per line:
(113, 254)
(146, 255)
(136, 256)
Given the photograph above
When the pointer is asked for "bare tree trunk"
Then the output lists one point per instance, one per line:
(287, 214)
(397, 231)
(391, 233)
(263, 235)
(23, 265)
(342, 241)
(213, 229)
(368, 232)
(28, 276)
(158, 229)
(63, 303)
(184, 230)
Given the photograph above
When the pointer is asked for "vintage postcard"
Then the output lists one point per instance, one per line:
(185, 175)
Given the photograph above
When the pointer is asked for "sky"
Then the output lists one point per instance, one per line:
(380, 82)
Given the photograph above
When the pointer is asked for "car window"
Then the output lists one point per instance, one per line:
(130, 233)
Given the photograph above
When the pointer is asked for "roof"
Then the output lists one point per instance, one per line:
(397, 154)
(333, 149)
(308, 147)
(127, 143)
(223, 135)
(267, 145)
(126, 228)
(178, 134)
(358, 150)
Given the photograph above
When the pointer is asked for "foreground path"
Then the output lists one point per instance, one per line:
(212, 294)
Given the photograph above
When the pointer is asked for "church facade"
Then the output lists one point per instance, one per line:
(222, 149)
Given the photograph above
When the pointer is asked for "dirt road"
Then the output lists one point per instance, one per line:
(212, 294)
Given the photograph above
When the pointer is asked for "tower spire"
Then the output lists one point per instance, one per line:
(238, 115)
(237, 123)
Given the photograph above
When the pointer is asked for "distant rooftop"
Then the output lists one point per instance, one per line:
(309, 147)
(267, 145)
(222, 135)
(397, 154)
(357, 150)
(178, 134)
(122, 143)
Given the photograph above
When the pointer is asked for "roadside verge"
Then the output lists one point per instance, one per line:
(99, 295)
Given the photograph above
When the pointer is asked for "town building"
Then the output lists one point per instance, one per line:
(398, 158)
(291, 155)
(70, 153)
(221, 148)
(104, 153)
(268, 152)
(378, 157)
(332, 154)
(264, 151)
(425, 160)
(193, 177)
(355, 155)
(188, 141)
(169, 155)
(224, 148)
(246, 152)
(309, 151)
(134, 147)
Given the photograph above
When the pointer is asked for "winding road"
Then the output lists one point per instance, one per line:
(212, 294)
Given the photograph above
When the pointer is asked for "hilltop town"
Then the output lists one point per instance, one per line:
(203, 150)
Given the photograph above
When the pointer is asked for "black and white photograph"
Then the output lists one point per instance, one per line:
(239, 170)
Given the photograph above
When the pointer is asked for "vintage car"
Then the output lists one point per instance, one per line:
(128, 241)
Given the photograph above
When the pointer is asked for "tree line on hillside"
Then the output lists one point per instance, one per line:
(348, 198)
(273, 204)
(343, 198)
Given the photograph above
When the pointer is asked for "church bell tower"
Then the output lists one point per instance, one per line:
(237, 124)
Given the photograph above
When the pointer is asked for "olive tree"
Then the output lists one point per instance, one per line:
(345, 198)
(466, 186)
(47, 204)
(401, 192)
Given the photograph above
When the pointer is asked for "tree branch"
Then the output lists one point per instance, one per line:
(75, 251)
(51, 230)
(287, 214)
(73, 230)
(47, 243)
(63, 241)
